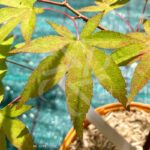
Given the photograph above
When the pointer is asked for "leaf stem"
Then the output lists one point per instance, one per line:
(78, 36)
(124, 20)
(65, 4)
(141, 19)
(19, 65)
(16, 99)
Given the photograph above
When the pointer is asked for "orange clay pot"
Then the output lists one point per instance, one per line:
(102, 111)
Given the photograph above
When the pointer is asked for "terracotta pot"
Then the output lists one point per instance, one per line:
(102, 111)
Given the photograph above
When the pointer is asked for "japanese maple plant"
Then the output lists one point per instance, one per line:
(75, 56)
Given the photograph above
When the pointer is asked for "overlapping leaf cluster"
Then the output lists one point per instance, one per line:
(135, 52)
(18, 11)
(77, 58)
(14, 129)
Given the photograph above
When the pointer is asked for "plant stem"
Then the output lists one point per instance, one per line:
(68, 17)
(19, 65)
(124, 20)
(16, 99)
(141, 19)
(65, 4)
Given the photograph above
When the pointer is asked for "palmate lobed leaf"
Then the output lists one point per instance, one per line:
(45, 76)
(79, 87)
(142, 75)
(19, 11)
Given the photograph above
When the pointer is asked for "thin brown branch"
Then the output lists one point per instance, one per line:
(65, 4)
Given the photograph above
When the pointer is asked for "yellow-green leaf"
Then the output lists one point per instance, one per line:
(3, 145)
(18, 134)
(146, 25)
(91, 25)
(144, 38)
(46, 76)
(28, 25)
(108, 74)
(110, 40)
(8, 27)
(140, 77)
(43, 45)
(10, 110)
(78, 88)
(61, 30)
(126, 55)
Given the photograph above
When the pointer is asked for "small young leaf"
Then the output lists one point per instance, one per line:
(108, 74)
(45, 44)
(124, 55)
(78, 88)
(61, 30)
(10, 110)
(146, 25)
(92, 9)
(140, 77)
(109, 40)
(3, 145)
(28, 25)
(119, 3)
(18, 134)
(91, 25)
(45, 76)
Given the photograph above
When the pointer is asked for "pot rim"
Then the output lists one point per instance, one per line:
(102, 110)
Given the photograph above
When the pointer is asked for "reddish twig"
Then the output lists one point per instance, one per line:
(68, 17)
(141, 19)
(19, 65)
(124, 20)
(65, 4)
(16, 99)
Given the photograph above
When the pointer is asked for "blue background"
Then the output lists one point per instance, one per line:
(49, 121)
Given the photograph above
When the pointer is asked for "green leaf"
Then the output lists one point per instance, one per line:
(22, 11)
(46, 76)
(18, 3)
(18, 134)
(126, 55)
(109, 40)
(1, 91)
(139, 36)
(10, 110)
(119, 3)
(140, 77)
(3, 145)
(78, 88)
(43, 45)
(28, 25)
(146, 25)
(105, 5)
(108, 74)
(91, 25)
(8, 27)
(61, 30)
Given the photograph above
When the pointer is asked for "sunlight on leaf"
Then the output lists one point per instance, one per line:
(146, 25)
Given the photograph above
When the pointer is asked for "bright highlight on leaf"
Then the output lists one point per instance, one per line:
(18, 11)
